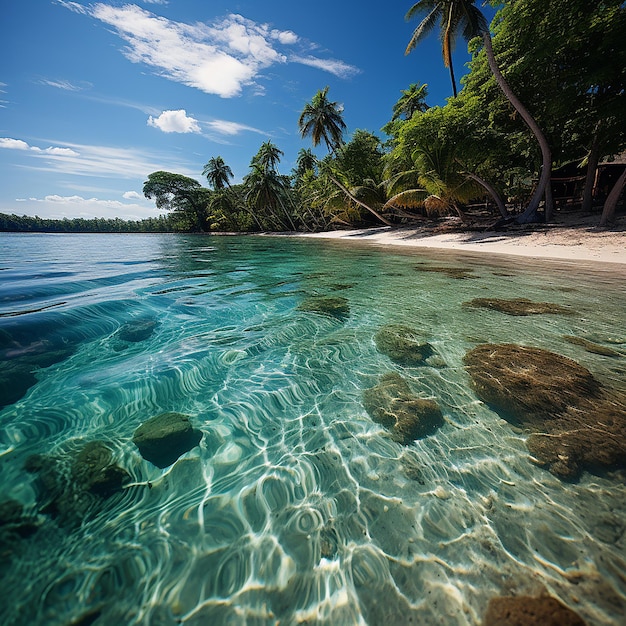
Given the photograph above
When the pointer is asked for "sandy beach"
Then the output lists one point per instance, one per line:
(563, 242)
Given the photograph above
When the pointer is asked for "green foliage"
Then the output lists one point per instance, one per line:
(24, 224)
(180, 194)
(217, 173)
(322, 119)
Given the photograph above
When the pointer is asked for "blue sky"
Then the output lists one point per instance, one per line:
(94, 96)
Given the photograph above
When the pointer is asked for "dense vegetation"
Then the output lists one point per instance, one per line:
(25, 224)
(546, 87)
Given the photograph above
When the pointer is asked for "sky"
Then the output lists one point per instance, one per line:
(95, 96)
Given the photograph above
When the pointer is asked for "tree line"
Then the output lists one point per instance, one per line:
(546, 87)
(25, 224)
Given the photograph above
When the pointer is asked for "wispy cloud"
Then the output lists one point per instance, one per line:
(225, 127)
(175, 122)
(132, 195)
(66, 85)
(338, 68)
(97, 161)
(219, 58)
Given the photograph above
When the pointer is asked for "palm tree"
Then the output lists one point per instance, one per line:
(462, 16)
(411, 101)
(268, 156)
(453, 17)
(322, 119)
(436, 183)
(217, 173)
(266, 189)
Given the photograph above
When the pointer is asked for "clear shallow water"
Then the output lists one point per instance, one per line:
(296, 507)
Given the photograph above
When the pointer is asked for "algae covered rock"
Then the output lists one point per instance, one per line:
(526, 384)
(402, 345)
(332, 306)
(590, 346)
(458, 273)
(529, 611)
(392, 405)
(73, 485)
(518, 306)
(164, 438)
(574, 422)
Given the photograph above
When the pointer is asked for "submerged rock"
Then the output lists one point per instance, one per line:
(164, 438)
(333, 306)
(529, 611)
(518, 306)
(528, 385)
(73, 485)
(403, 345)
(574, 422)
(137, 330)
(590, 346)
(392, 404)
(459, 273)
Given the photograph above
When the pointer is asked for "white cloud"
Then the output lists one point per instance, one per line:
(338, 68)
(286, 37)
(225, 127)
(13, 144)
(55, 206)
(132, 195)
(98, 161)
(18, 144)
(175, 122)
(218, 58)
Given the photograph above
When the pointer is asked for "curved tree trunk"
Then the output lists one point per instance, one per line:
(529, 214)
(492, 192)
(347, 192)
(608, 213)
(549, 206)
(447, 51)
(592, 169)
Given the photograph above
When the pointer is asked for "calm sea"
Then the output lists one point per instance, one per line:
(296, 506)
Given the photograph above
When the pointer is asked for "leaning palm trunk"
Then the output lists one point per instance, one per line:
(492, 192)
(529, 214)
(608, 213)
(365, 206)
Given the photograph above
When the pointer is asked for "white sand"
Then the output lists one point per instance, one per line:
(565, 243)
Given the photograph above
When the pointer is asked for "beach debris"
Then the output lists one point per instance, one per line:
(574, 422)
(590, 346)
(137, 330)
(403, 345)
(162, 439)
(529, 611)
(458, 273)
(518, 306)
(393, 405)
(72, 485)
(332, 306)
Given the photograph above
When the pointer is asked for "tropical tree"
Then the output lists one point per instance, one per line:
(462, 16)
(178, 193)
(322, 119)
(453, 17)
(412, 100)
(305, 162)
(217, 173)
(266, 189)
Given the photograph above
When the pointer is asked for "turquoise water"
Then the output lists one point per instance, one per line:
(296, 507)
